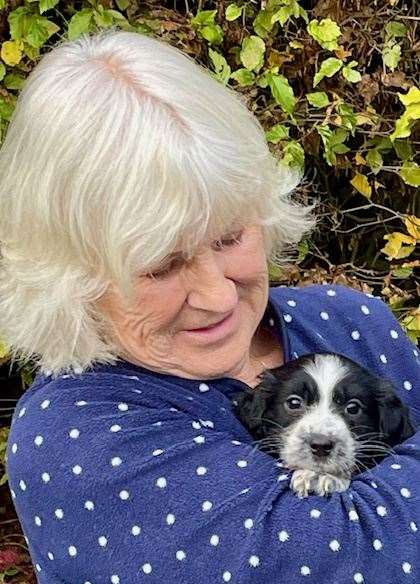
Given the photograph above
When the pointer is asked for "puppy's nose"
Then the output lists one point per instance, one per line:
(320, 444)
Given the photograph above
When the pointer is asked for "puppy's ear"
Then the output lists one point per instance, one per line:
(394, 416)
(252, 406)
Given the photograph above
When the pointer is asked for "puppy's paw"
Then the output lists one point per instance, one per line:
(303, 480)
(327, 484)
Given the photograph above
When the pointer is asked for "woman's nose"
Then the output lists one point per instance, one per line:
(208, 284)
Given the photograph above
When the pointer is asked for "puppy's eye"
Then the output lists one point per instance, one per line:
(353, 408)
(294, 402)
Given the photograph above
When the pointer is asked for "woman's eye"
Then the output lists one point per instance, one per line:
(229, 240)
(165, 270)
(294, 402)
(353, 408)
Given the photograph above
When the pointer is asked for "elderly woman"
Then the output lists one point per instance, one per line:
(139, 207)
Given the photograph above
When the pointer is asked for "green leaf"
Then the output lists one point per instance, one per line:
(2, 71)
(282, 15)
(318, 99)
(402, 273)
(243, 77)
(262, 23)
(325, 33)
(277, 133)
(204, 18)
(410, 173)
(80, 23)
(396, 29)
(221, 66)
(374, 160)
(19, 22)
(213, 33)
(14, 81)
(329, 67)
(391, 56)
(45, 5)
(350, 74)
(6, 108)
(294, 155)
(303, 248)
(233, 11)
(282, 92)
(252, 53)
(122, 4)
(403, 149)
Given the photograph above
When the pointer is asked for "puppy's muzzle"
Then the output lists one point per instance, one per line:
(321, 445)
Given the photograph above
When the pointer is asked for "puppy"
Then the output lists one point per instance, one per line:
(326, 418)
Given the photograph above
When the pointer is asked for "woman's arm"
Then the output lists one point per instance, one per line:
(159, 483)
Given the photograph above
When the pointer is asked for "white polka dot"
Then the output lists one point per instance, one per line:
(89, 505)
(170, 519)
(115, 579)
(405, 492)
(102, 540)
(358, 578)
(383, 358)
(74, 433)
(196, 425)
(283, 536)
(135, 530)
(254, 561)
(381, 510)
(393, 334)
(374, 485)
(45, 404)
(248, 523)
(157, 452)
(214, 540)
(315, 513)
(236, 442)
(38, 520)
(124, 495)
(355, 335)
(377, 544)
(413, 526)
(22, 485)
(38, 567)
(77, 469)
(242, 463)
(396, 466)
(406, 566)
(123, 407)
(227, 576)
(291, 303)
(305, 570)
(207, 505)
(161, 482)
(116, 461)
(13, 494)
(199, 439)
(180, 555)
(271, 322)
(72, 551)
(50, 555)
(203, 387)
(14, 448)
(353, 516)
(331, 292)
(81, 402)
(283, 477)
(22, 412)
(38, 440)
(365, 309)
(115, 428)
(45, 477)
(201, 470)
(324, 315)
(287, 318)
(59, 513)
(334, 545)
(407, 385)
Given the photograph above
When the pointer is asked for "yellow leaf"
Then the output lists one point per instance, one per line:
(413, 226)
(11, 52)
(395, 248)
(361, 184)
(359, 159)
(413, 96)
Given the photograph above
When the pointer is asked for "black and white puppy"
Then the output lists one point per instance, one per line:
(326, 418)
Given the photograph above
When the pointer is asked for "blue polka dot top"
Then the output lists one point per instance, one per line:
(121, 475)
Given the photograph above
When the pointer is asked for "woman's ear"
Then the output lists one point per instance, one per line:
(394, 416)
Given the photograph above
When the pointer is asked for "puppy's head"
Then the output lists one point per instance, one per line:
(326, 413)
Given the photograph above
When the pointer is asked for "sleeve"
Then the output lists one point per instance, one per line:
(118, 486)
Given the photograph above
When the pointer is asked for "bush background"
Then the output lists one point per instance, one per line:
(335, 84)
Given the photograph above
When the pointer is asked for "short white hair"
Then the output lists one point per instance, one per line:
(120, 147)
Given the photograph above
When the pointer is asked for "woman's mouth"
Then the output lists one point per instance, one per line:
(214, 332)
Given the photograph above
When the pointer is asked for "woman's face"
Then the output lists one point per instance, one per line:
(226, 279)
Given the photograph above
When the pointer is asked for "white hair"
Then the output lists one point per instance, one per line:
(120, 147)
